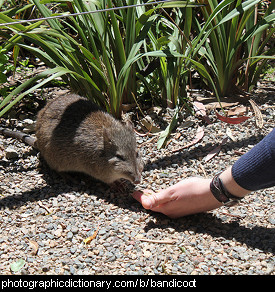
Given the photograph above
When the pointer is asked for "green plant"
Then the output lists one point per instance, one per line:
(103, 55)
(171, 74)
(3, 61)
(233, 51)
(6, 68)
(91, 62)
(268, 73)
(93, 53)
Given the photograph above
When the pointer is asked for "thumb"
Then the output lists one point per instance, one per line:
(150, 199)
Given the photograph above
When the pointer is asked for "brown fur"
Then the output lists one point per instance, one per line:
(73, 134)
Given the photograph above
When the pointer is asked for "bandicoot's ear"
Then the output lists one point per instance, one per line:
(129, 124)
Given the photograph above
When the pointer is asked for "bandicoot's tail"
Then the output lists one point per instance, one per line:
(19, 135)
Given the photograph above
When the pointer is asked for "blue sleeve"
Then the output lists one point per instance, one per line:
(255, 170)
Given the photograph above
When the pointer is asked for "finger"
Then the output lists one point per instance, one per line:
(162, 197)
(154, 199)
(143, 198)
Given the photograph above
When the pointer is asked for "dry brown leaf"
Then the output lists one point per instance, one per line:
(34, 245)
(215, 151)
(199, 108)
(187, 124)
(229, 120)
(258, 114)
(148, 125)
(201, 111)
(230, 134)
(90, 238)
(126, 107)
(237, 111)
(198, 137)
(217, 105)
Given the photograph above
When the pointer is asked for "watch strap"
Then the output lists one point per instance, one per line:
(221, 193)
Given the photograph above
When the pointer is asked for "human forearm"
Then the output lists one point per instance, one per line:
(231, 185)
(255, 169)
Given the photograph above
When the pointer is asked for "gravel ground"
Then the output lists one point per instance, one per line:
(45, 218)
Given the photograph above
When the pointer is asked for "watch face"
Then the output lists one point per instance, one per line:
(231, 203)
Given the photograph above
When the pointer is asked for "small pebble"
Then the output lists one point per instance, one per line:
(11, 153)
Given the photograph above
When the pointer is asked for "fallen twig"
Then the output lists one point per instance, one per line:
(149, 141)
(239, 152)
(167, 241)
(45, 207)
(203, 170)
(231, 215)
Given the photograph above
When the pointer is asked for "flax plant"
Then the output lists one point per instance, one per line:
(234, 52)
(92, 52)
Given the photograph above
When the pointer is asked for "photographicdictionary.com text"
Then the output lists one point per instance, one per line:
(41, 284)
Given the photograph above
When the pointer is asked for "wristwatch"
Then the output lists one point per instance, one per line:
(221, 193)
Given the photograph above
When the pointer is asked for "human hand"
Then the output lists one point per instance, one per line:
(187, 197)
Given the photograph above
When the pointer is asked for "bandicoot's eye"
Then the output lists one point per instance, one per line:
(120, 157)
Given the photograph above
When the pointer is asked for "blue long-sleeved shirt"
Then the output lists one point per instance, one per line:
(255, 169)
